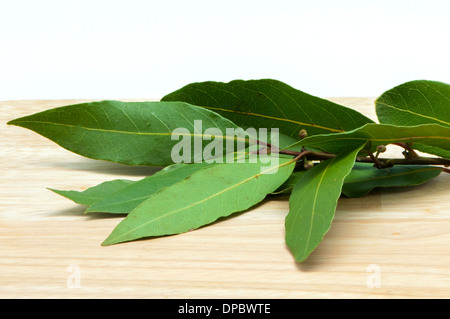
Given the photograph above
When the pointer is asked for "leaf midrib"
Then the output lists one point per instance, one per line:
(128, 132)
(275, 118)
(314, 206)
(414, 113)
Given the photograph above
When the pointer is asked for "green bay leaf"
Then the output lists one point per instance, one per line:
(122, 196)
(433, 135)
(268, 103)
(415, 103)
(133, 133)
(206, 195)
(364, 177)
(313, 201)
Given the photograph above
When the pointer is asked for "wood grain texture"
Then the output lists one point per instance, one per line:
(402, 233)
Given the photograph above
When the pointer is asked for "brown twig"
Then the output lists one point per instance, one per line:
(412, 157)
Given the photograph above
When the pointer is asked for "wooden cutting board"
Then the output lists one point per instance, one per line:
(389, 244)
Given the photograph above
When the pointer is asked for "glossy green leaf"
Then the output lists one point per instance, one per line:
(364, 177)
(414, 103)
(313, 201)
(133, 133)
(208, 194)
(93, 194)
(128, 198)
(122, 196)
(269, 103)
(382, 134)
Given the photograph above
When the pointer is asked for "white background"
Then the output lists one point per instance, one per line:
(106, 49)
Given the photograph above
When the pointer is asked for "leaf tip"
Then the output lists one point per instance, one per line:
(17, 121)
(302, 258)
(56, 191)
(109, 241)
(12, 122)
(105, 243)
(300, 255)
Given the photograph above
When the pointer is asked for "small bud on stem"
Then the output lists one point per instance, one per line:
(302, 134)
(308, 165)
(381, 148)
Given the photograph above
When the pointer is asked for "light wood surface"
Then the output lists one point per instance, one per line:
(390, 244)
